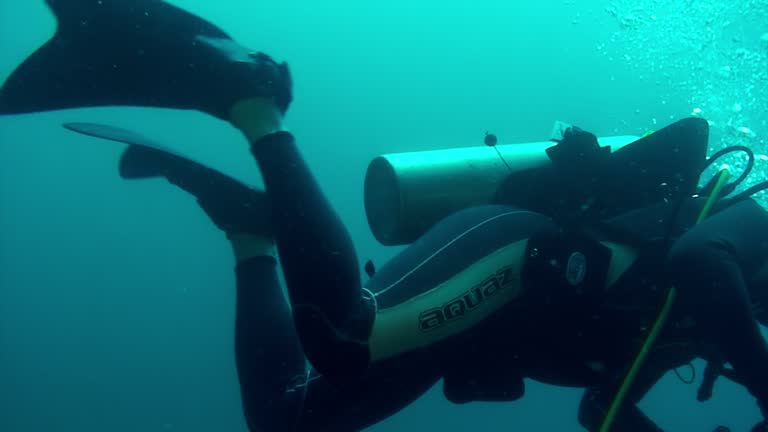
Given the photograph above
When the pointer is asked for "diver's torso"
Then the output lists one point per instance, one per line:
(575, 343)
(569, 341)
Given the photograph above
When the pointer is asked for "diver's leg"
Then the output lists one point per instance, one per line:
(268, 354)
(317, 255)
(708, 266)
(267, 351)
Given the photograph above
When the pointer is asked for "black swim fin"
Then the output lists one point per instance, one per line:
(143, 159)
(139, 53)
(231, 205)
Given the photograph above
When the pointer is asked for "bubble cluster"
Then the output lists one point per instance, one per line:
(714, 53)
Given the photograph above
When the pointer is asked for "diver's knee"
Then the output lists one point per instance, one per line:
(337, 351)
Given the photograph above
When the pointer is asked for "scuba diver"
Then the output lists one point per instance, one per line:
(584, 268)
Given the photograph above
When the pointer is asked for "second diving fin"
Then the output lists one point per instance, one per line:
(143, 158)
(138, 53)
(232, 205)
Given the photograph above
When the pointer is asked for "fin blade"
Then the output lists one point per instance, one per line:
(113, 52)
(113, 133)
(143, 159)
(141, 162)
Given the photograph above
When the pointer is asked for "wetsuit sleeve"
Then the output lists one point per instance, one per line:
(319, 261)
(709, 266)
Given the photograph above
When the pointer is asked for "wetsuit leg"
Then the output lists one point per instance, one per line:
(709, 265)
(276, 393)
(267, 352)
(318, 259)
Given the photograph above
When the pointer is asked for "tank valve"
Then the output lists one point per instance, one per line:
(490, 139)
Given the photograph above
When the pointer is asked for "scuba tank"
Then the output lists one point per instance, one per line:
(407, 193)
(575, 178)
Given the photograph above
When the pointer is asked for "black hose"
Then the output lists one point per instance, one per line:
(728, 189)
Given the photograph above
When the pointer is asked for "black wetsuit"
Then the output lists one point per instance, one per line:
(530, 334)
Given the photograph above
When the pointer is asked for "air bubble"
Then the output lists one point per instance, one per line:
(746, 131)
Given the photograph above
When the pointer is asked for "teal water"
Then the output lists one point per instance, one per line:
(117, 298)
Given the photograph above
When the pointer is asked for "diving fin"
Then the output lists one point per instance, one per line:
(144, 158)
(231, 205)
(139, 53)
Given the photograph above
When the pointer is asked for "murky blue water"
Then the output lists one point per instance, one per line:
(116, 298)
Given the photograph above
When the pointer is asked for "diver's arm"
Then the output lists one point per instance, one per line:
(710, 266)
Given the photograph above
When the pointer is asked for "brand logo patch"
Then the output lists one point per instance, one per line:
(468, 301)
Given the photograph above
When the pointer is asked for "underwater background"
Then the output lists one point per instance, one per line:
(117, 298)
